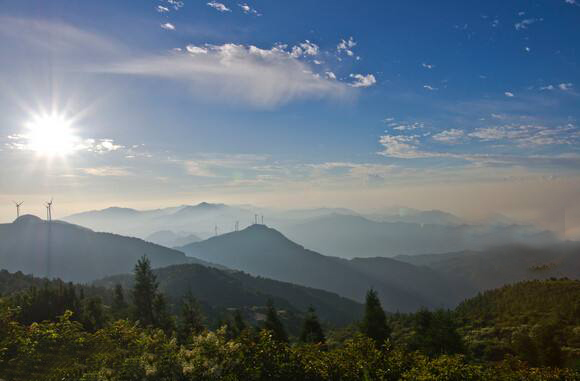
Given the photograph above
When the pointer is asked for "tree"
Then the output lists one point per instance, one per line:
(436, 333)
(239, 323)
(311, 329)
(119, 306)
(549, 351)
(374, 324)
(273, 323)
(145, 292)
(191, 321)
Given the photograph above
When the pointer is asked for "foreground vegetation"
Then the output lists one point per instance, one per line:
(57, 331)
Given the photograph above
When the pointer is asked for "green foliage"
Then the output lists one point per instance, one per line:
(435, 333)
(311, 329)
(273, 324)
(119, 307)
(374, 323)
(191, 322)
(150, 306)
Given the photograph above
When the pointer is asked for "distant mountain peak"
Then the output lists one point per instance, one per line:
(28, 219)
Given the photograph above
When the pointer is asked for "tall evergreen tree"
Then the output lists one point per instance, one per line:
(311, 329)
(191, 322)
(274, 324)
(239, 323)
(374, 324)
(119, 306)
(144, 292)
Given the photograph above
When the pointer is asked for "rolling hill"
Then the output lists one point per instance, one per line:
(74, 253)
(233, 289)
(351, 236)
(506, 264)
(263, 251)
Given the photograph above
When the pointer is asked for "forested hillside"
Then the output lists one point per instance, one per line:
(52, 330)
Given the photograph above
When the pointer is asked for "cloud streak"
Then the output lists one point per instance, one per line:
(246, 74)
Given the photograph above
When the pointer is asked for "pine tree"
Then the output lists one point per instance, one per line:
(191, 322)
(144, 292)
(239, 323)
(311, 329)
(273, 323)
(374, 323)
(119, 305)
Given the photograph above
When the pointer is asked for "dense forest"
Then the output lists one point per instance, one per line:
(53, 330)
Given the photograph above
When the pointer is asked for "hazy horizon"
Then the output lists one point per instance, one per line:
(466, 108)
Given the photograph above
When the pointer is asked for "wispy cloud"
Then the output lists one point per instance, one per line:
(247, 74)
(509, 94)
(162, 9)
(429, 87)
(428, 66)
(346, 46)
(451, 136)
(249, 10)
(168, 26)
(524, 24)
(219, 6)
(107, 171)
(360, 80)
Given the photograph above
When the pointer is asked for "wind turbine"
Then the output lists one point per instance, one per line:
(49, 210)
(18, 207)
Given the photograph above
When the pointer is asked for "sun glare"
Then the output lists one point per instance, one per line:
(51, 135)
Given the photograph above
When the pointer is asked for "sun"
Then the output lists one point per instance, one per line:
(51, 135)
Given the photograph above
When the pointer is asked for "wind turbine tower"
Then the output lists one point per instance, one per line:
(255, 219)
(262, 219)
(18, 207)
(49, 210)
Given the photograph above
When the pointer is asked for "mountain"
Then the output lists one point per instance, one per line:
(263, 251)
(349, 236)
(502, 265)
(169, 238)
(436, 217)
(523, 302)
(74, 253)
(200, 218)
(233, 289)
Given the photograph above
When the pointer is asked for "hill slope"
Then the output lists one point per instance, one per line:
(234, 289)
(74, 253)
(262, 251)
(498, 266)
(350, 236)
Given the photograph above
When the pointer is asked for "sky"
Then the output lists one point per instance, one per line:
(466, 106)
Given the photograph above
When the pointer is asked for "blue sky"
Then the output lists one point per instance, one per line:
(467, 106)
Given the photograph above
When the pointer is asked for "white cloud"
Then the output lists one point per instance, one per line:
(168, 26)
(162, 9)
(403, 147)
(248, 74)
(345, 46)
(524, 135)
(509, 94)
(525, 23)
(305, 48)
(196, 49)
(249, 10)
(549, 87)
(430, 88)
(451, 136)
(565, 86)
(219, 6)
(363, 80)
(176, 4)
(330, 75)
(427, 66)
(107, 171)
